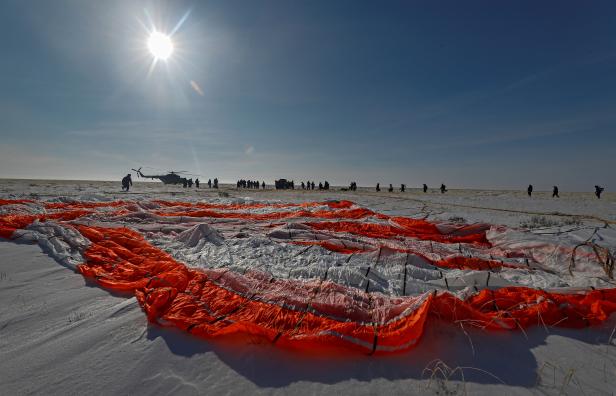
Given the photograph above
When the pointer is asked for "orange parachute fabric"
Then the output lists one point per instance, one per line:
(305, 315)
(308, 314)
(84, 205)
(14, 201)
(9, 223)
(213, 303)
(204, 205)
(356, 213)
(419, 229)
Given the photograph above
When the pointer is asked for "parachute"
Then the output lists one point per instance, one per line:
(316, 275)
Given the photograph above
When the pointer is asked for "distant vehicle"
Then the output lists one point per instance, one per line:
(284, 184)
(173, 177)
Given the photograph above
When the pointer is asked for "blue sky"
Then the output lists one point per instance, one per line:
(477, 94)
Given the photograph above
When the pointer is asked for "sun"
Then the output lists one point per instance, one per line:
(160, 45)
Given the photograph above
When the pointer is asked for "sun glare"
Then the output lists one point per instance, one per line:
(160, 45)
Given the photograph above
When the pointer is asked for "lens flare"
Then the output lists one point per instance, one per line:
(160, 46)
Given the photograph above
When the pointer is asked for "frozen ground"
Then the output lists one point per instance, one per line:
(60, 334)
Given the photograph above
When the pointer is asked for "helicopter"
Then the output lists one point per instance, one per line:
(173, 177)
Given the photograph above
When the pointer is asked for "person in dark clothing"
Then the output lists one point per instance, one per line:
(425, 188)
(443, 189)
(320, 186)
(391, 188)
(263, 185)
(402, 187)
(598, 191)
(190, 182)
(378, 187)
(555, 192)
(127, 182)
(215, 182)
(184, 182)
(530, 190)
(197, 183)
(209, 183)
(326, 185)
(312, 186)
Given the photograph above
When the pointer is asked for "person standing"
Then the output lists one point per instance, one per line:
(127, 181)
(209, 183)
(530, 190)
(215, 182)
(555, 192)
(391, 188)
(443, 189)
(402, 187)
(378, 187)
(425, 188)
(598, 191)
(197, 183)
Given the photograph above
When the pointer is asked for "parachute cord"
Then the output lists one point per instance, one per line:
(406, 263)
(607, 263)
(376, 339)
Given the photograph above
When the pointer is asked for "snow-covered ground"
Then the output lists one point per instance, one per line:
(61, 334)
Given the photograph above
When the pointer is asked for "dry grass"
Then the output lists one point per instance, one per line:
(569, 377)
(449, 380)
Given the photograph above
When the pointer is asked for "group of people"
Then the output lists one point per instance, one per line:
(250, 184)
(443, 188)
(310, 185)
(598, 191)
(285, 184)
(188, 183)
(127, 182)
